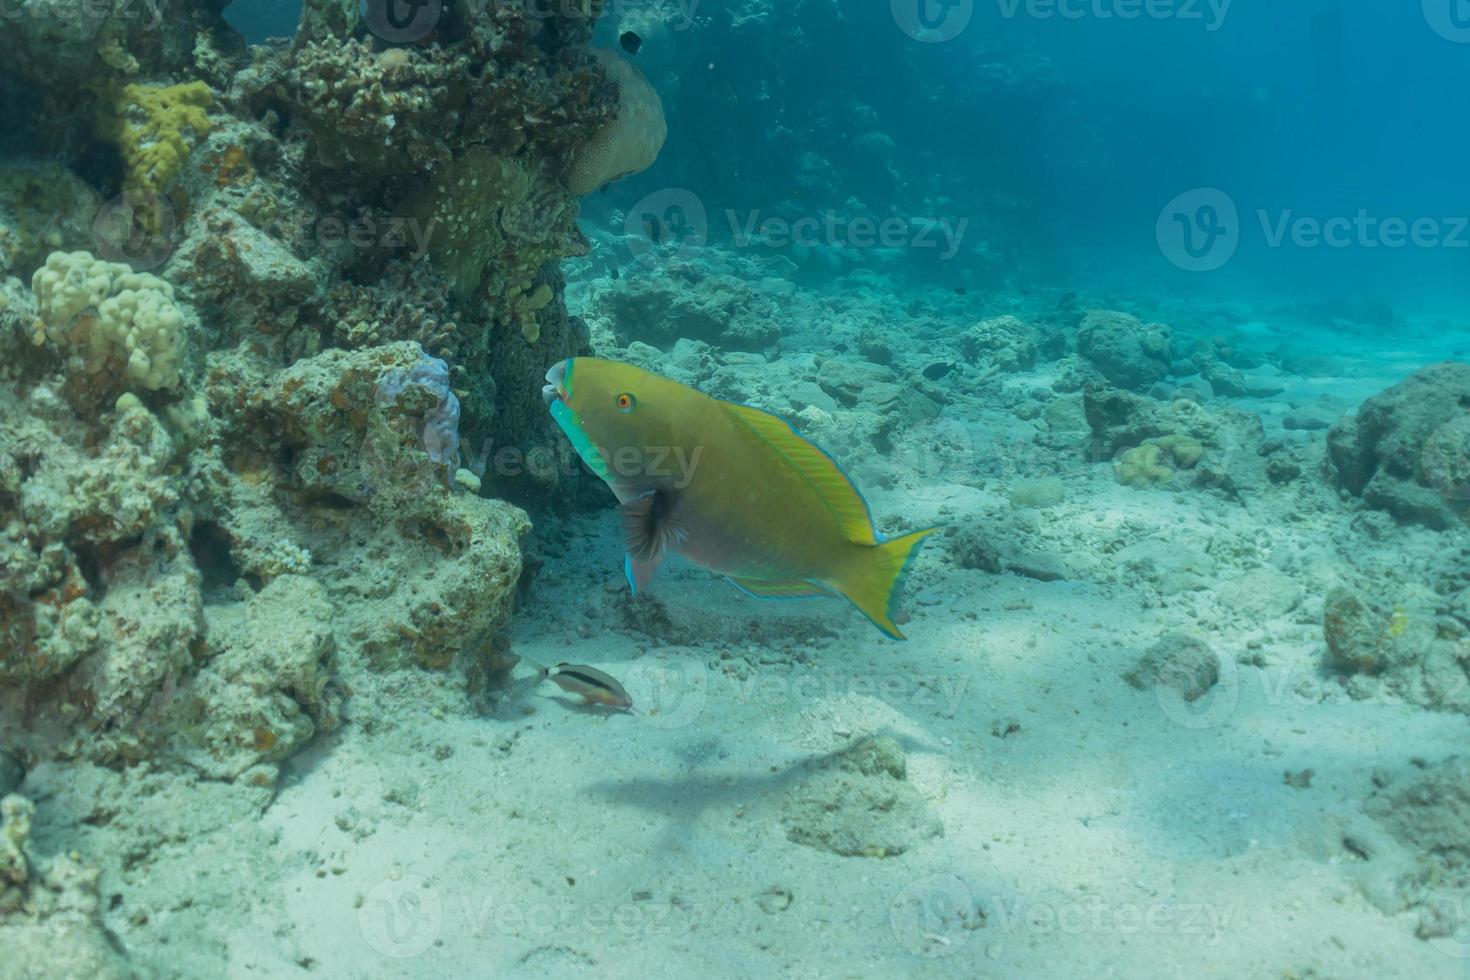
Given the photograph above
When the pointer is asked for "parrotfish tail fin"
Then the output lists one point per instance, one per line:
(876, 579)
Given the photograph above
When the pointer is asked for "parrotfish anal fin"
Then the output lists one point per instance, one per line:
(817, 468)
(798, 588)
(649, 535)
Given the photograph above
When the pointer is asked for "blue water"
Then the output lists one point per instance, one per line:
(1349, 113)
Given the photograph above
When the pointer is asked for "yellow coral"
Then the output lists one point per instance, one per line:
(155, 127)
(1157, 460)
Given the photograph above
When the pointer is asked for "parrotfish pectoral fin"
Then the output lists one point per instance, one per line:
(875, 579)
(780, 589)
(650, 534)
(639, 573)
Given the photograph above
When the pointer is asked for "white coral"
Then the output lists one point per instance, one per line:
(105, 310)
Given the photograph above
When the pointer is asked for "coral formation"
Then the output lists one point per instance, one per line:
(154, 128)
(107, 316)
(631, 141)
(1155, 462)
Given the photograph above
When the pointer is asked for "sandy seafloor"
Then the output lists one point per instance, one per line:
(1055, 821)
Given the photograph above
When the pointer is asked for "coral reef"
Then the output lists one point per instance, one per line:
(1407, 450)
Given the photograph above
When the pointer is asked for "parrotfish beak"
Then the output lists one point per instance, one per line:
(558, 378)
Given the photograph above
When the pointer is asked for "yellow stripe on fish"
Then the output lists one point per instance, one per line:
(734, 489)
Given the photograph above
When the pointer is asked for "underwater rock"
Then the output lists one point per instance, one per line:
(1402, 638)
(1220, 446)
(44, 207)
(236, 273)
(50, 912)
(1403, 450)
(12, 774)
(1005, 343)
(1427, 814)
(347, 440)
(1181, 661)
(1129, 353)
(445, 587)
(858, 803)
(1038, 492)
(263, 692)
(684, 302)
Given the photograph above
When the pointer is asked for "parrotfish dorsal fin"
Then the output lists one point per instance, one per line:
(816, 467)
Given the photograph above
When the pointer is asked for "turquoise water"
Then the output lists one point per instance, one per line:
(412, 412)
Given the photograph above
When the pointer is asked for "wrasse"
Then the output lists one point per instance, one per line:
(730, 487)
(591, 684)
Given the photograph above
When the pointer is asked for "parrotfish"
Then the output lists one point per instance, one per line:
(732, 488)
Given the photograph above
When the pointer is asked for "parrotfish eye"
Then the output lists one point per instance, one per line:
(626, 402)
